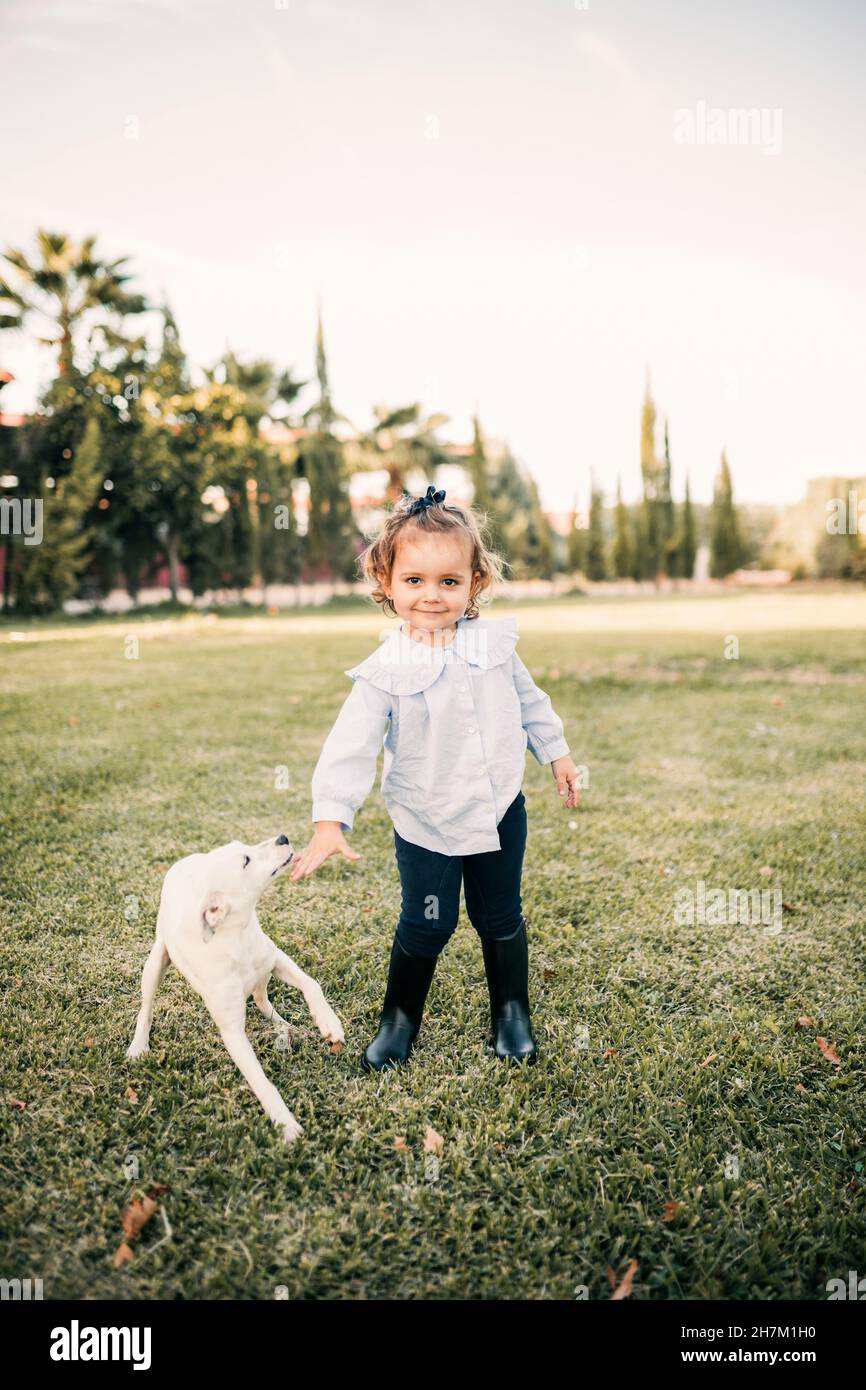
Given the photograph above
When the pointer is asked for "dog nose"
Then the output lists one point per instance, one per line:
(282, 840)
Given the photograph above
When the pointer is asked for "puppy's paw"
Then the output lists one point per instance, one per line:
(329, 1025)
(137, 1049)
(291, 1130)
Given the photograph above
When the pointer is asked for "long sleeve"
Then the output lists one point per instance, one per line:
(544, 728)
(346, 770)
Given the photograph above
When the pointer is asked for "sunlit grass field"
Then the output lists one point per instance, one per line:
(683, 1114)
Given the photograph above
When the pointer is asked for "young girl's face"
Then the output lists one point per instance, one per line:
(432, 580)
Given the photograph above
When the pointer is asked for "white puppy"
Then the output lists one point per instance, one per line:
(208, 927)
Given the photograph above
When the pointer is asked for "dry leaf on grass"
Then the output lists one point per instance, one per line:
(136, 1216)
(131, 1095)
(804, 1021)
(400, 1144)
(669, 1211)
(623, 1288)
(828, 1052)
(17, 1104)
(433, 1142)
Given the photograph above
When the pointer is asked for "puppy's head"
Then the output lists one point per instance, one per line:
(237, 876)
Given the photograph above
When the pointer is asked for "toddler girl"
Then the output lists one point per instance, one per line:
(456, 708)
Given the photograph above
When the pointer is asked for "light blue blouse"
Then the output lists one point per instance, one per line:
(455, 721)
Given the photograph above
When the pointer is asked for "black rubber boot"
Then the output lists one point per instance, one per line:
(409, 980)
(507, 966)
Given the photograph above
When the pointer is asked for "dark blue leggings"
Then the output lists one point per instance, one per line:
(430, 884)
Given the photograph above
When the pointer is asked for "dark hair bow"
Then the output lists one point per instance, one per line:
(430, 499)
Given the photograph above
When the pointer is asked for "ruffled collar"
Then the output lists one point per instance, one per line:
(403, 667)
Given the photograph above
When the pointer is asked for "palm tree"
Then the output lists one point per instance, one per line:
(68, 285)
(399, 441)
(258, 387)
(259, 384)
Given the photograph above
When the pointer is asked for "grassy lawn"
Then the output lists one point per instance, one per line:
(672, 1066)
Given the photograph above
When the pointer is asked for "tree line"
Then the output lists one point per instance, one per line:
(657, 537)
(138, 467)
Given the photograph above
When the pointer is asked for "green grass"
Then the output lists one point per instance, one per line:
(548, 1177)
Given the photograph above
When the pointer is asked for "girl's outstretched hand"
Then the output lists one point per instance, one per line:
(328, 839)
(567, 778)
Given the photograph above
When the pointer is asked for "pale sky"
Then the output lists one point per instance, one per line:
(491, 200)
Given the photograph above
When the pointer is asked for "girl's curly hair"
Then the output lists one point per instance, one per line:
(377, 560)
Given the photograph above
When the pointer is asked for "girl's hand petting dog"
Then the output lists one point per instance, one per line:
(328, 839)
(567, 778)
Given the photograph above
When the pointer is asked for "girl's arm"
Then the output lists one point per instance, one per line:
(346, 770)
(544, 728)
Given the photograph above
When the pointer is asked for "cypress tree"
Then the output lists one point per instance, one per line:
(331, 529)
(575, 546)
(667, 516)
(596, 567)
(649, 538)
(48, 573)
(477, 468)
(687, 546)
(623, 545)
(726, 546)
(539, 556)
(279, 545)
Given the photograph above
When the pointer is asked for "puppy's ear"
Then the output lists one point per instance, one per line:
(213, 911)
